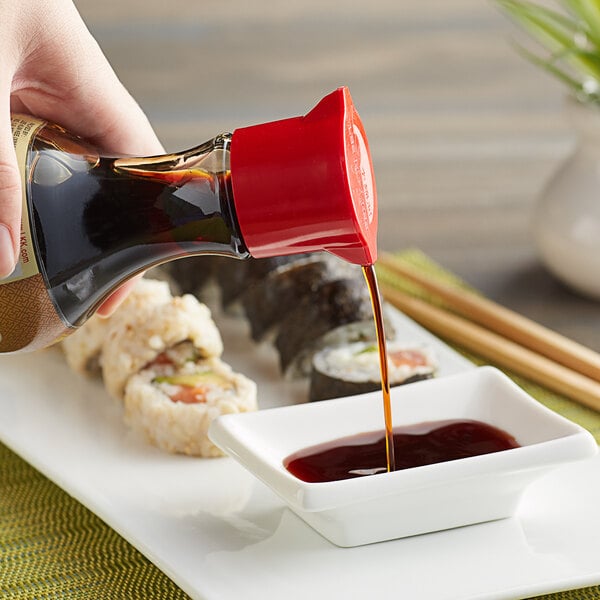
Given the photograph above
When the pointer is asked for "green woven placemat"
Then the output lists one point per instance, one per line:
(53, 547)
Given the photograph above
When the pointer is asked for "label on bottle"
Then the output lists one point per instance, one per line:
(23, 130)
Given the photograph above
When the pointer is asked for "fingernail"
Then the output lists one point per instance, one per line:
(7, 254)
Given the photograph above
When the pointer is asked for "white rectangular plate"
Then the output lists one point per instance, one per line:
(219, 533)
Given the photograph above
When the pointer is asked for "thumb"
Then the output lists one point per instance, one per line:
(10, 195)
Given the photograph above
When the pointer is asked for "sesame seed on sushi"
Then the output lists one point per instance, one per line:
(173, 401)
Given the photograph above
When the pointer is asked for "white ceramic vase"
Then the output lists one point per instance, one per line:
(566, 220)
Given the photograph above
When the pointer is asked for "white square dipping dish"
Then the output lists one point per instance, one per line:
(364, 510)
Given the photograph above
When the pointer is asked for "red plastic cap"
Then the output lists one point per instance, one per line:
(306, 184)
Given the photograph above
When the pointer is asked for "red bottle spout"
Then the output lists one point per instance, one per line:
(306, 184)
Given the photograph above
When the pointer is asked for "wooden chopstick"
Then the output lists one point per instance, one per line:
(504, 321)
(503, 352)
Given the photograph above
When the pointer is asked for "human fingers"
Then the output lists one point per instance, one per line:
(68, 80)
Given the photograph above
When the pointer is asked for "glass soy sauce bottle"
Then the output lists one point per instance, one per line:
(91, 222)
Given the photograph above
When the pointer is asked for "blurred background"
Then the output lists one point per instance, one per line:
(463, 131)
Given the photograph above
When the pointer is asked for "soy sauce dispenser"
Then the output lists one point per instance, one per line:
(91, 222)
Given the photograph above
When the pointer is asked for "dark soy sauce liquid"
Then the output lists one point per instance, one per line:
(414, 446)
(371, 278)
(121, 220)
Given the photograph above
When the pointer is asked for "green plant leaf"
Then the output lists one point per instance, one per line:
(572, 39)
(519, 8)
(588, 15)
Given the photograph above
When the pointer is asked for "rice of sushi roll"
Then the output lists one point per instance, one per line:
(129, 348)
(353, 368)
(270, 300)
(83, 348)
(334, 303)
(173, 401)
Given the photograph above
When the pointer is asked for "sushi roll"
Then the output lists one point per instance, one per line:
(173, 401)
(231, 280)
(83, 348)
(357, 331)
(235, 277)
(353, 369)
(130, 347)
(333, 304)
(190, 274)
(270, 300)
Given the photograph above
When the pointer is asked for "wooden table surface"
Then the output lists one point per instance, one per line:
(463, 131)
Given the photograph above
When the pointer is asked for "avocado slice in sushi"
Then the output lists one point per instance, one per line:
(194, 379)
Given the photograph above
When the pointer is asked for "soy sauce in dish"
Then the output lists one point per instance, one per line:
(414, 446)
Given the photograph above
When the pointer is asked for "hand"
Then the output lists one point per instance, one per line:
(51, 67)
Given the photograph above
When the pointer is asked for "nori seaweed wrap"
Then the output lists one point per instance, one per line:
(271, 299)
(332, 304)
(236, 276)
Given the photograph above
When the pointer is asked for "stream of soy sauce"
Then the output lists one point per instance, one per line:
(371, 278)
